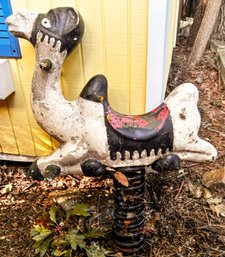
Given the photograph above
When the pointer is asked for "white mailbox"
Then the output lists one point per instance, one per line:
(6, 82)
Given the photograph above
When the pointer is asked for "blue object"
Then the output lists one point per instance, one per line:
(9, 45)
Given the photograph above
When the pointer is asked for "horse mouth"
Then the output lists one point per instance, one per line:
(15, 32)
(12, 29)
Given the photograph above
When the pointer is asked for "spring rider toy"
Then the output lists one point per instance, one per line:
(95, 140)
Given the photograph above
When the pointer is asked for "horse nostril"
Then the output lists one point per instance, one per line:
(34, 172)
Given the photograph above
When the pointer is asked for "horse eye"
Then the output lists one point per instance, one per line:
(46, 23)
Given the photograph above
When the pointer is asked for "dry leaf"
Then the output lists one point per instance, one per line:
(131, 215)
(7, 188)
(195, 190)
(121, 178)
(127, 223)
(206, 194)
(60, 183)
(157, 216)
(218, 209)
(215, 200)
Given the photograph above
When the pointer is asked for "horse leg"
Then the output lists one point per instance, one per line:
(60, 161)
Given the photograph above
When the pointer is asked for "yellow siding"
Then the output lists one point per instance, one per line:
(114, 44)
(8, 140)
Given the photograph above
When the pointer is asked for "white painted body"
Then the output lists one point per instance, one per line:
(92, 142)
(182, 103)
(80, 125)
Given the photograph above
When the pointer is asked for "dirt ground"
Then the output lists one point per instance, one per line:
(178, 222)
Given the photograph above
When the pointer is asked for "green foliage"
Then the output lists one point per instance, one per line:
(80, 209)
(75, 239)
(56, 233)
(52, 213)
(96, 251)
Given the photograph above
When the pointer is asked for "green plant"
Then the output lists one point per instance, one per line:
(57, 233)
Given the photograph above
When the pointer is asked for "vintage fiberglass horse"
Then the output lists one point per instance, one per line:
(94, 138)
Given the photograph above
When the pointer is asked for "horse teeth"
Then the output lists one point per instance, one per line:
(127, 155)
(39, 36)
(46, 38)
(135, 155)
(160, 152)
(152, 153)
(58, 44)
(118, 156)
(52, 41)
(144, 154)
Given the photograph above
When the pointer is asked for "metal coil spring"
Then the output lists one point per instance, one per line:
(129, 212)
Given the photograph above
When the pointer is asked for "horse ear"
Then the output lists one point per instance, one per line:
(71, 21)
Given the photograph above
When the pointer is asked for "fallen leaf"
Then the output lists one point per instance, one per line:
(52, 213)
(195, 190)
(80, 209)
(206, 194)
(75, 239)
(127, 223)
(94, 250)
(7, 188)
(218, 209)
(121, 178)
(157, 216)
(215, 200)
(15, 224)
(60, 183)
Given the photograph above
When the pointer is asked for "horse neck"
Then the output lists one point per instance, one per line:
(47, 84)
(49, 106)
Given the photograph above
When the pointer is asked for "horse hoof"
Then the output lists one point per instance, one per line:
(34, 171)
(167, 163)
(93, 168)
(51, 171)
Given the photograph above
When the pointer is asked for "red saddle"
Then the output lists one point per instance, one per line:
(138, 127)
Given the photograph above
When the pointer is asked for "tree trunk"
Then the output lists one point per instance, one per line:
(205, 30)
(181, 6)
(219, 29)
(189, 8)
(199, 13)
